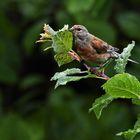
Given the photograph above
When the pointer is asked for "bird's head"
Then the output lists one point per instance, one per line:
(79, 31)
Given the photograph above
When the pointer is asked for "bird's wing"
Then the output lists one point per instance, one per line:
(101, 46)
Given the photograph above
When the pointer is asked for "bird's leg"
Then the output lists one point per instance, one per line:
(95, 70)
(102, 69)
(104, 65)
(102, 74)
(92, 69)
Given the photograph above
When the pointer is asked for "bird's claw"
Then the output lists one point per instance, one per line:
(96, 70)
(104, 76)
(101, 74)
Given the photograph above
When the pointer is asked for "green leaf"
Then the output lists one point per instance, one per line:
(69, 75)
(100, 103)
(62, 41)
(66, 72)
(62, 44)
(123, 58)
(63, 58)
(63, 77)
(131, 133)
(123, 86)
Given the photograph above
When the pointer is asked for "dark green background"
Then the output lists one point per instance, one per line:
(30, 108)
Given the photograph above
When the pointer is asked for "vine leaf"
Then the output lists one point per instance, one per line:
(123, 86)
(100, 103)
(123, 58)
(131, 133)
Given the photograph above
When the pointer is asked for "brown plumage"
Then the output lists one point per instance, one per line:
(91, 48)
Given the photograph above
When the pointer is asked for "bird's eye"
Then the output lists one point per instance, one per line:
(78, 29)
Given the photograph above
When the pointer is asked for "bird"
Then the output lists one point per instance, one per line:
(92, 49)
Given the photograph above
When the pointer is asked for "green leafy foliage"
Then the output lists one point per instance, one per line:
(63, 58)
(131, 133)
(61, 42)
(69, 112)
(64, 77)
(119, 86)
(123, 58)
(123, 86)
(70, 75)
(25, 71)
(100, 103)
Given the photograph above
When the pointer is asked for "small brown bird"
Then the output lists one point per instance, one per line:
(91, 48)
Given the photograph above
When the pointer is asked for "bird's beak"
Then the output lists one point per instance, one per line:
(71, 29)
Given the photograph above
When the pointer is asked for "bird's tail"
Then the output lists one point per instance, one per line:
(133, 61)
(116, 55)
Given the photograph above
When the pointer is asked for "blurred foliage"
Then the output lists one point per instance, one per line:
(29, 108)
